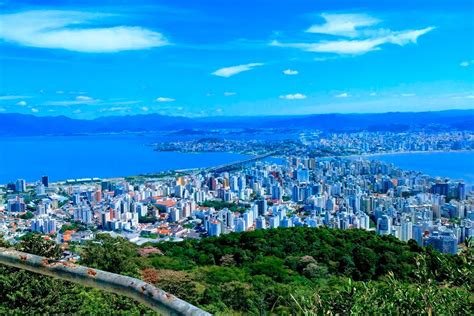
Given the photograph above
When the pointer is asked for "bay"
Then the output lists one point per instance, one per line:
(454, 165)
(87, 156)
(103, 156)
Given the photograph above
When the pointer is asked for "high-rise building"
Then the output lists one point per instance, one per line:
(239, 225)
(83, 215)
(384, 225)
(105, 186)
(440, 188)
(234, 184)
(248, 219)
(45, 181)
(277, 192)
(461, 191)
(16, 205)
(406, 229)
(261, 223)
(262, 206)
(364, 220)
(40, 189)
(286, 222)
(174, 214)
(417, 234)
(274, 221)
(295, 194)
(242, 182)
(43, 225)
(302, 175)
(215, 228)
(445, 242)
(229, 218)
(40, 209)
(20, 185)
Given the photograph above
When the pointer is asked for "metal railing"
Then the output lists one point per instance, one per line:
(157, 299)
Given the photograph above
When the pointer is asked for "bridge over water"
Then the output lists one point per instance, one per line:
(237, 164)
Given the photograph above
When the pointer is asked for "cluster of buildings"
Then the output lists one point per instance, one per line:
(344, 194)
(301, 191)
(318, 144)
(378, 142)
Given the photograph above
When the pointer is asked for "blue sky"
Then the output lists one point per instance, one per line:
(87, 59)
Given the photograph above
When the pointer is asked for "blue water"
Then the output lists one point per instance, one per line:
(454, 165)
(69, 157)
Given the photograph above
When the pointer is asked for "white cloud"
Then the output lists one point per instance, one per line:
(343, 24)
(84, 98)
(229, 94)
(116, 109)
(464, 96)
(233, 70)
(466, 63)
(407, 94)
(115, 102)
(13, 97)
(145, 109)
(72, 30)
(60, 92)
(353, 36)
(21, 103)
(358, 46)
(78, 100)
(325, 58)
(76, 111)
(290, 72)
(34, 110)
(373, 94)
(2, 109)
(352, 47)
(87, 100)
(296, 96)
(163, 99)
(342, 95)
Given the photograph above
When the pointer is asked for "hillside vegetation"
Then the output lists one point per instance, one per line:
(278, 271)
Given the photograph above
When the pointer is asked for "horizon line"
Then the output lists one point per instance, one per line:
(232, 116)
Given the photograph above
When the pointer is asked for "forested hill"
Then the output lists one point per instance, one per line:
(14, 124)
(279, 271)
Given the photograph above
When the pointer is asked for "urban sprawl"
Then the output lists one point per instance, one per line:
(322, 144)
(340, 193)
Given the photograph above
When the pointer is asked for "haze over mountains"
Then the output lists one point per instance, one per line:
(13, 124)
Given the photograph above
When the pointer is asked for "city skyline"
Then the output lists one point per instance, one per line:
(236, 157)
(210, 59)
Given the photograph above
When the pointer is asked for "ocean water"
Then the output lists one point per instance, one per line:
(454, 165)
(70, 157)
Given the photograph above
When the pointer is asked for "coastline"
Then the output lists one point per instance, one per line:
(414, 152)
(193, 169)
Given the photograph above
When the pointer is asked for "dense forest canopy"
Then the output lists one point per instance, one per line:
(276, 271)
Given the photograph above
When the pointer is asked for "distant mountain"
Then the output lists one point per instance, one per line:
(12, 124)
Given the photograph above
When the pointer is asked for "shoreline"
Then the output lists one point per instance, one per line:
(184, 170)
(395, 153)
